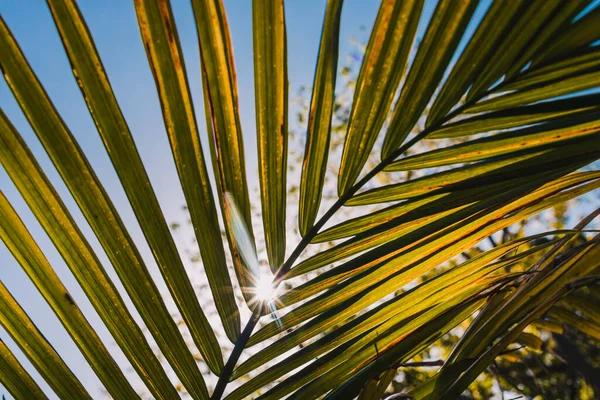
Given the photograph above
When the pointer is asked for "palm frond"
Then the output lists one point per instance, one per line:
(459, 129)
(166, 59)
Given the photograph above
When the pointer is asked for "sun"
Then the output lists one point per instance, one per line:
(265, 293)
(264, 288)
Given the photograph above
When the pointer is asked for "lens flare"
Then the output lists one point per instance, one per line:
(264, 288)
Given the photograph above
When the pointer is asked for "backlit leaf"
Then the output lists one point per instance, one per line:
(41, 353)
(382, 68)
(518, 116)
(163, 49)
(271, 88)
(14, 377)
(15, 236)
(223, 122)
(319, 119)
(447, 25)
(486, 39)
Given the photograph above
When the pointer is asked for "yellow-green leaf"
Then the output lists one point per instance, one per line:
(48, 208)
(578, 35)
(15, 379)
(451, 283)
(163, 49)
(19, 242)
(438, 380)
(382, 68)
(525, 28)
(549, 91)
(587, 306)
(444, 31)
(384, 381)
(577, 64)
(472, 176)
(486, 357)
(552, 29)
(319, 119)
(411, 208)
(530, 340)
(223, 123)
(397, 344)
(552, 134)
(584, 325)
(367, 240)
(548, 325)
(387, 268)
(368, 391)
(518, 116)
(486, 39)
(110, 122)
(37, 349)
(271, 88)
(530, 294)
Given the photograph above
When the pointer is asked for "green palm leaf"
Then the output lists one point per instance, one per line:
(526, 27)
(38, 350)
(380, 74)
(319, 120)
(166, 59)
(270, 80)
(223, 122)
(484, 42)
(447, 25)
(431, 293)
(408, 250)
(559, 20)
(18, 382)
(387, 268)
(111, 232)
(516, 117)
(548, 135)
(577, 36)
(16, 237)
(103, 106)
(545, 91)
(58, 223)
(574, 65)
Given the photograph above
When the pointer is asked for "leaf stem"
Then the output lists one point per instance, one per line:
(287, 265)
